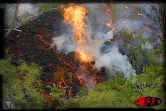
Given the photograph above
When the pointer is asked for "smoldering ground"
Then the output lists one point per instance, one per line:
(131, 17)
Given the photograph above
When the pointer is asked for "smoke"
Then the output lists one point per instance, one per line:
(23, 9)
(97, 34)
(111, 58)
(138, 17)
(126, 17)
(64, 43)
(147, 46)
(131, 17)
(27, 7)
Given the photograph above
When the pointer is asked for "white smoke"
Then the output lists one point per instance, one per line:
(97, 34)
(114, 59)
(96, 40)
(23, 9)
(28, 7)
(64, 43)
(138, 17)
(147, 46)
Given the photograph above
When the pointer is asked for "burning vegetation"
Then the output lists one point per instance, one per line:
(75, 16)
(77, 49)
(69, 72)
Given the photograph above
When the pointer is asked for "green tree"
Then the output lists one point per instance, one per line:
(19, 84)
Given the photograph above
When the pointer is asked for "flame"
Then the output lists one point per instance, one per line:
(41, 38)
(111, 25)
(107, 10)
(76, 16)
(60, 85)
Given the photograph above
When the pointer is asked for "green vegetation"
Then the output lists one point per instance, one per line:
(114, 93)
(120, 92)
(56, 93)
(19, 84)
(25, 17)
(48, 7)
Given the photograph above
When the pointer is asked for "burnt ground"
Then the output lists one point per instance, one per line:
(32, 44)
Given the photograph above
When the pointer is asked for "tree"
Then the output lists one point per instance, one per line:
(19, 85)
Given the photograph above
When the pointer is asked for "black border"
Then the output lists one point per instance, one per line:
(77, 1)
(2, 33)
(1, 51)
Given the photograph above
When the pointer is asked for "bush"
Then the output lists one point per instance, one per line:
(120, 92)
(19, 84)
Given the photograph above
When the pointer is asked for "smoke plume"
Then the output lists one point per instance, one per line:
(110, 57)
(121, 17)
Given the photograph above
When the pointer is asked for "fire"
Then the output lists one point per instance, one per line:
(41, 37)
(107, 10)
(75, 16)
(108, 24)
(84, 57)
(84, 70)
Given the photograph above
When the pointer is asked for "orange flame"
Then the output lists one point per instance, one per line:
(107, 10)
(111, 25)
(76, 16)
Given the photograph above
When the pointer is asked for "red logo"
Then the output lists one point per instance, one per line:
(148, 101)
